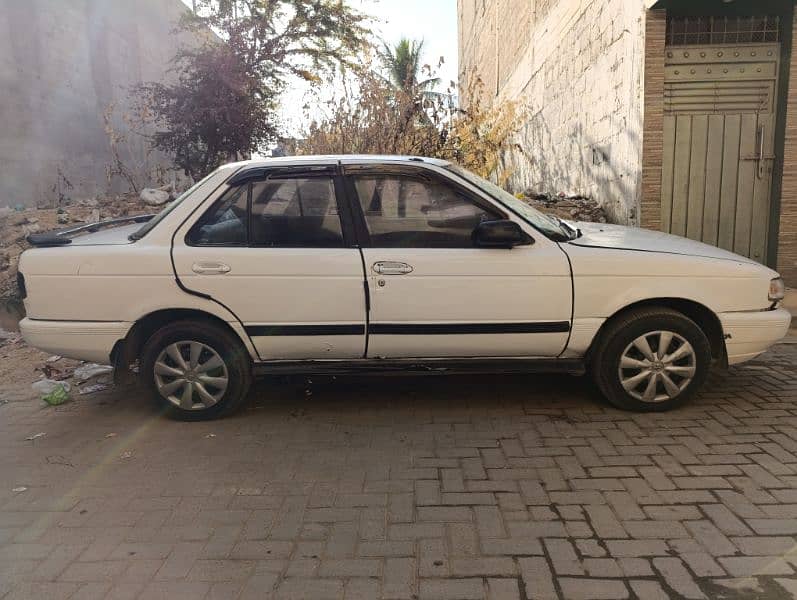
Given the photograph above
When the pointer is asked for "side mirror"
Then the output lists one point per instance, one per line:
(500, 234)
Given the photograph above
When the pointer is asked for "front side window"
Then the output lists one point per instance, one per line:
(278, 213)
(402, 211)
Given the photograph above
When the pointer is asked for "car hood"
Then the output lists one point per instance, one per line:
(602, 235)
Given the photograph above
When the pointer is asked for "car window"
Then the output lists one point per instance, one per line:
(295, 212)
(409, 212)
(225, 223)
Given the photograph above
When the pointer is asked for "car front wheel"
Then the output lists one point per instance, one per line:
(651, 359)
(196, 370)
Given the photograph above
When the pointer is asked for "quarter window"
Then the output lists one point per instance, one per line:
(409, 212)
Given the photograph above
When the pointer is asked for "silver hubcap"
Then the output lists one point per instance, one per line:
(657, 366)
(191, 375)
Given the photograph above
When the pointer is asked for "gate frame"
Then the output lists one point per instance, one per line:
(782, 234)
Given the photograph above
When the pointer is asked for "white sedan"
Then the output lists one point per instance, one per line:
(372, 263)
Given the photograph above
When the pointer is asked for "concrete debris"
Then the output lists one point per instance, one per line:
(569, 207)
(154, 197)
(35, 436)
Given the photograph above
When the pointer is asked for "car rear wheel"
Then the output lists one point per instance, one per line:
(651, 359)
(196, 370)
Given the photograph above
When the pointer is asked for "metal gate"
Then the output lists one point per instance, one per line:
(719, 120)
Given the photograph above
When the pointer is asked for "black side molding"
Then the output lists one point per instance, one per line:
(291, 330)
(467, 328)
(409, 328)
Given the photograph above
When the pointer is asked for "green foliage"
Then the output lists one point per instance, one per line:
(375, 116)
(223, 101)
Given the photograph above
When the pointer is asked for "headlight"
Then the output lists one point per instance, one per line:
(777, 289)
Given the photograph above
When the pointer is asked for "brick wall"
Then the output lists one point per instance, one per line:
(652, 145)
(787, 238)
(576, 66)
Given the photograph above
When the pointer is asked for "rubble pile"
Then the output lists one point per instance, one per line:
(569, 207)
(17, 223)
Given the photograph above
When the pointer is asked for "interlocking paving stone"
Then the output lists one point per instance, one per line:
(476, 487)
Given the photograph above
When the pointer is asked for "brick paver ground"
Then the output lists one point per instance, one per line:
(424, 487)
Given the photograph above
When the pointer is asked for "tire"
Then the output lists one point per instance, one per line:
(679, 372)
(215, 365)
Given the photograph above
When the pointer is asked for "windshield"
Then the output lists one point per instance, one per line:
(150, 225)
(551, 226)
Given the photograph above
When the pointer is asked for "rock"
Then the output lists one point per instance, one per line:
(63, 219)
(5, 261)
(153, 197)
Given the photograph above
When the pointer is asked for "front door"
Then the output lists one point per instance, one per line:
(719, 124)
(433, 294)
(275, 253)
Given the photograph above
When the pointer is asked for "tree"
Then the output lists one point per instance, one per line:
(223, 101)
(215, 111)
(403, 63)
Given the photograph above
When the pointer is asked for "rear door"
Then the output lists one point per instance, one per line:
(432, 293)
(278, 253)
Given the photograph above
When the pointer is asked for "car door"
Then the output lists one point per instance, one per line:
(276, 252)
(432, 293)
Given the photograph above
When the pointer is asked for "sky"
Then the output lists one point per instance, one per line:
(434, 21)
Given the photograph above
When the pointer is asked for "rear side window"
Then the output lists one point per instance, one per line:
(290, 212)
(295, 212)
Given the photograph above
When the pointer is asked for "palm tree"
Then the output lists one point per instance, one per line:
(403, 64)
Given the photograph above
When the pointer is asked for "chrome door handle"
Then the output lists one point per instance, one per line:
(388, 267)
(210, 268)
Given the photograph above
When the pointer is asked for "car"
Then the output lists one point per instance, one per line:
(351, 264)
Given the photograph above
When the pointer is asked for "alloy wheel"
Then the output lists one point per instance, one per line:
(191, 375)
(657, 366)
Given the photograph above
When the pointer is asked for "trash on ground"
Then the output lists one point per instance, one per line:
(35, 435)
(92, 389)
(51, 391)
(53, 358)
(127, 454)
(110, 435)
(19, 489)
(91, 370)
(210, 435)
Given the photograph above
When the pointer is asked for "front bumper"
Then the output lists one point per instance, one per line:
(81, 340)
(748, 334)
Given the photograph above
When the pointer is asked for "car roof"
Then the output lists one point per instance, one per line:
(342, 158)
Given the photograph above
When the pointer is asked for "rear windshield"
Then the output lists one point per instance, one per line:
(152, 223)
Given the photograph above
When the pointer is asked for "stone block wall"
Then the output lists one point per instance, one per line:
(62, 64)
(576, 68)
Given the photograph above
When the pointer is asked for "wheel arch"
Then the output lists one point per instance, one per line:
(126, 351)
(704, 317)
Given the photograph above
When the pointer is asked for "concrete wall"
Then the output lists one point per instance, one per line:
(577, 67)
(62, 63)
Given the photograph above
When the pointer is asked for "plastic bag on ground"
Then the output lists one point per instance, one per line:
(91, 370)
(52, 392)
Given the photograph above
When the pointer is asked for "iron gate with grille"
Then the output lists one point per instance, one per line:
(720, 102)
